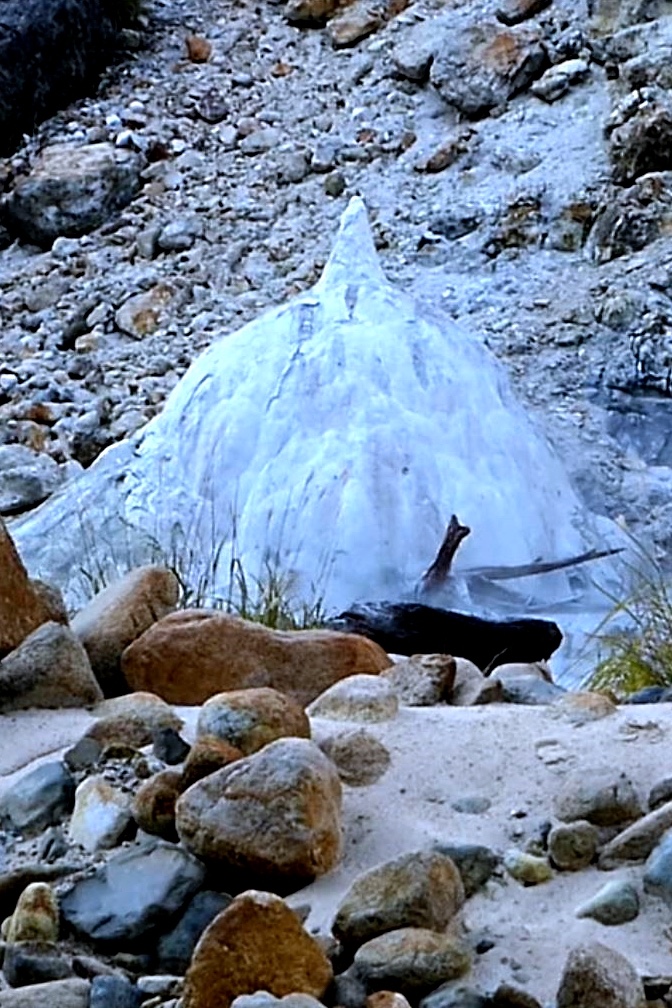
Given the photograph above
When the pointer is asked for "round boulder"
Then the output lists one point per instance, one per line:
(251, 718)
(357, 698)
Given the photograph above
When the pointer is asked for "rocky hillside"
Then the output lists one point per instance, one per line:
(514, 155)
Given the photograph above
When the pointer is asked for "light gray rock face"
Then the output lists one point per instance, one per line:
(100, 816)
(50, 668)
(351, 361)
(597, 975)
(134, 894)
(40, 798)
(27, 478)
(72, 190)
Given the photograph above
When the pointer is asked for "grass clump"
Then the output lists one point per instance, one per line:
(639, 653)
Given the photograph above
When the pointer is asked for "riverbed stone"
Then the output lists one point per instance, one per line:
(422, 680)
(49, 669)
(357, 698)
(174, 949)
(360, 758)
(572, 846)
(256, 943)
(251, 718)
(603, 797)
(223, 817)
(637, 841)
(615, 903)
(411, 960)
(71, 993)
(101, 814)
(40, 798)
(421, 889)
(597, 975)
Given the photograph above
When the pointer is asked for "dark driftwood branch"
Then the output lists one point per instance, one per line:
(435, 576)
(538, 567)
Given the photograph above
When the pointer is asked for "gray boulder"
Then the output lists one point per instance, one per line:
(27, 478)
(40, 798)
(136, 893)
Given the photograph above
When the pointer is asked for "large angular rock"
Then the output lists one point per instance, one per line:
(257, 943)
(40, 798)
(71, 993)
(22, 608)
(422, 680)
(422, 889)
(639, 131)
(72, 190)
(27, 478)
(115, 617)
(483, 66)
(189, 656)
(290, 786)
(101, 814)
(251, 718)
(50, 668)
(135, 894)
(596, 975)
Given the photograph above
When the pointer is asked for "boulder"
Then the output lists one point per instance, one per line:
(290, 784)
(35, 962)
(41, 797)
(357, 698)
(639, 131)
(116, 616)
(207, 755)
(572, 846)
(249, 719)
(101, 814)
(154, 804)
(174, 949)
(479, 68)
(360, 758)
(471, 687)
(411, 960)
(189, 656)
(596, 975)
(71, 993)
(603, 797)
(22, 608)
(36, 916)
(132, 720)
(133, 895)
(408, 628)
(256, 943)
(27, 478)
(615, 903)
(50, 669)
(114, 991)
(475, 863)
(422, 680)
(71, 190)
(637, 841)
(658, 871)
(422, 889)
(528, 869)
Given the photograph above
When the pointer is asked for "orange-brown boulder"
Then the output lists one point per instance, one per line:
(257, 943)
(207, 755)
(116, 616)
(23, 608)
(189, 656)
(251, 718)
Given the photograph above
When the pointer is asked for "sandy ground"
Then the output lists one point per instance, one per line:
(517, 757)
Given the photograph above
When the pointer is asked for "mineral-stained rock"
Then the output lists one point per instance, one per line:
(422, 889)
(174, 950)
(640, 134)
(597, 975)
(637, 841)
(101, 814)
(72, 190)
(481, 67)
(134, 894)
(49, 668)
(357, 698)
(40, 798)
(115, 617)
(256, 943)
(22, 609)
(251, 718)
(189, 656)
(71, 993)
(422, 680)
(572, 846)
(411, 960)
(290, 783)
(36, 915)
(360, 758)
(140, 316)
(154, 804)
(207, 755)
(602, 797)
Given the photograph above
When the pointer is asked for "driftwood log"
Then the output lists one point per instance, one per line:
(410, 628)
(51, 51)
